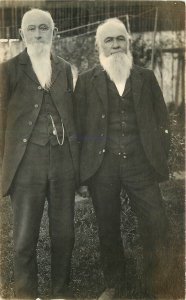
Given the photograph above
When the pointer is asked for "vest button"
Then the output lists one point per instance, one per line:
(102, 134)
(36, 105)
(100, 152)
(103, 116)
(39, 87)
(103, 150)
(30, 123)
(54, 132)
(124, 155)
(24, 140)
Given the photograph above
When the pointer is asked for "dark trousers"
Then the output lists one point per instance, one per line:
(136, 176)
(46, 172)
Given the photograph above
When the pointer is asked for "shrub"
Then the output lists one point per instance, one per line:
(177, 146)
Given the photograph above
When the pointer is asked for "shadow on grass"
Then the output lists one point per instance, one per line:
(87, 277)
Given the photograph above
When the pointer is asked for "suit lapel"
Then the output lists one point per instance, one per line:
(28, 70)
(59, 87)
(137, 82)
(100, 84)
(127, 87)
(24, 60)
(56, 69)
(59, 77)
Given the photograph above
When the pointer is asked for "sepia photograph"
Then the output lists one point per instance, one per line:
(92, 149)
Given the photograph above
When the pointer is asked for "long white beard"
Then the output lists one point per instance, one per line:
(39, 54)
(118, 67)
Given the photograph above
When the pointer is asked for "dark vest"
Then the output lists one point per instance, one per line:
(123, 135)
(43, 130)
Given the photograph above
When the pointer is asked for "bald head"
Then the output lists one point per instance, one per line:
(37, 28)
(35, 13)
(111, 28)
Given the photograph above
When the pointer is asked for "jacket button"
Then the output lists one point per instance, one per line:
(103, 116)
(166, 131)
(39, 87)
(36, 105)
(30, 123)
(24, 140)
(100, 152)
(103, 150)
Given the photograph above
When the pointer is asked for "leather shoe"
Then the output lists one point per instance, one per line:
(108, 294)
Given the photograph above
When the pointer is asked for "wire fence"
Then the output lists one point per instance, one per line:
(76, 19)
(81, 17)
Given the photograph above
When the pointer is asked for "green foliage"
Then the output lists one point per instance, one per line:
(79, 51)
(177, 147)
(87, 278)
(141, 52)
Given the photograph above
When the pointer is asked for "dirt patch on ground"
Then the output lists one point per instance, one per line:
(87, 277)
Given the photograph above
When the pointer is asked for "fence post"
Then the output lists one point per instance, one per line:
(154, 36)
(8, 32)
(128, 24)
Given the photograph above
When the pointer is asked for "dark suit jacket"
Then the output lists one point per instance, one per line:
(21, 98)
(92, 114)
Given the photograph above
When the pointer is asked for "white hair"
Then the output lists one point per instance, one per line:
(36, 11)
(114, 22)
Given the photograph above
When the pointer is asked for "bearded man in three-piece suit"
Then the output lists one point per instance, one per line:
(39, 154)
(122, 126)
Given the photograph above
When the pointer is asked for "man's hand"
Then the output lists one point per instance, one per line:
(83, 191)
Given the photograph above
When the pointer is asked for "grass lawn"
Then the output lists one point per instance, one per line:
(87, 278)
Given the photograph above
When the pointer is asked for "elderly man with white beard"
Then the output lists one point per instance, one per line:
(39, 154)
(122, 126)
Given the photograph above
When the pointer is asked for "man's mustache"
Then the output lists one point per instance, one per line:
(37, 42)
(118, 51)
